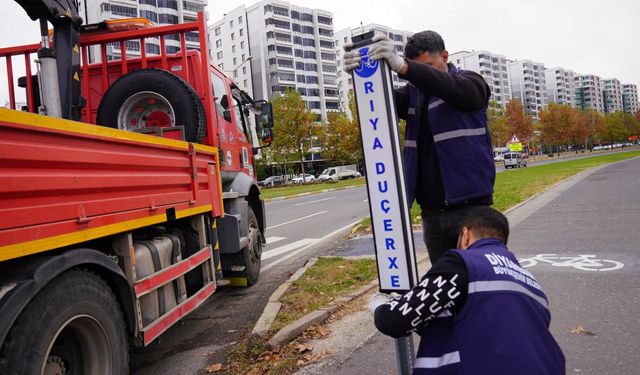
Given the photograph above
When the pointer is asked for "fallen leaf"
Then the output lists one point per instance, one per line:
(580, 331)
(214, 368)
(255, 371)
(300, 362)
(311, 357)
(301, 348)
(323, 331)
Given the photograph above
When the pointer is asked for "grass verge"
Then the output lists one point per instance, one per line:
(516, 185)
(288, 190)
(328, 279)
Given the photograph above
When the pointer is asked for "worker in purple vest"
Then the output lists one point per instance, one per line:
(477, 310)
(447, 156)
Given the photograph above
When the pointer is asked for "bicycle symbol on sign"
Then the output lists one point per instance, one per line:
(581, 262)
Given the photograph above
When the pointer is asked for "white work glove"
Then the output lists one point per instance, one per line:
(378, 300)
(351, 59)
(384, 48)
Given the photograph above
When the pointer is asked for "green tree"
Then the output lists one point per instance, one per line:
(612, 129)
(584, 128)
(497, 123)
(294, 127)
(340, 139)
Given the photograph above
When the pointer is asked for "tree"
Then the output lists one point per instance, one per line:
(584, 128)
(340, 137)
(497, 123)
(520, 123)
(556, 122)
(612, 128)
(294, 126)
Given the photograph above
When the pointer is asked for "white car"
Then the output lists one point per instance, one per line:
(307, 178)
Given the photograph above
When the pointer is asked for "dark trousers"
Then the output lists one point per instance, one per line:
(441, 228)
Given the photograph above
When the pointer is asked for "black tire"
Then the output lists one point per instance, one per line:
(164, 86)
(249, 256)
(74, 325)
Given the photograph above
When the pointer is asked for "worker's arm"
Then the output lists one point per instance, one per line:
(467, 91)
(442, 290)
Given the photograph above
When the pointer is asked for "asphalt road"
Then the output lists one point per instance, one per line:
(591, 225)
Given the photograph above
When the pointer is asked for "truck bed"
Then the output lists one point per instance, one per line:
(64, 182)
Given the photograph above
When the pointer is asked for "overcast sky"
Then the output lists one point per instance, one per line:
(586, 36)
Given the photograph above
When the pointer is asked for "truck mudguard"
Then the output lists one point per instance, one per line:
(18, 285)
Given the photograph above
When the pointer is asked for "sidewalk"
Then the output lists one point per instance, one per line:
(359, 349)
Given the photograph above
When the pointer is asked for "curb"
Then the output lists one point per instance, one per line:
(313, 193)
(294, 329)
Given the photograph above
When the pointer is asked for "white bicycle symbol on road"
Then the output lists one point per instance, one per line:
(581, 262)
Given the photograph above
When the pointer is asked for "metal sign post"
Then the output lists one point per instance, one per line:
(393, 237)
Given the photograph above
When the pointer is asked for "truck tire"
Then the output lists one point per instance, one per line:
(74, 325)
(152, 97)
(249, 256)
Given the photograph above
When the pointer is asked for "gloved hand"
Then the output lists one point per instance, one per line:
(378, 300)
(384, 48)
(351, 58)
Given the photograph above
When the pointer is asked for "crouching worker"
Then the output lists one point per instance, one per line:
(477, 310)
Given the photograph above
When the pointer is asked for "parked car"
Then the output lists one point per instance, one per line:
(341, 172)
(498, 158)
(272, 181)
(307, 178)
(514, 160)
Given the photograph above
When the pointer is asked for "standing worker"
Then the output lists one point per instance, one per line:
(477, 310)
(448, 157)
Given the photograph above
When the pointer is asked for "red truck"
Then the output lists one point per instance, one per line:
(129, 201)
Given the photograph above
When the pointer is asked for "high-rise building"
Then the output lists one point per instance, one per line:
(528, 85)
(492, 67)
(561, 87)
(229, 47)
(612, 95)
(630, 98)
(160, 12)
(289, 47)
(589, 92)
(345, 84)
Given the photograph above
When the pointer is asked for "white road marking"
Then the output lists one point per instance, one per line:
(293, 221)
(316, 201)
(271, 240)
(365, 201)
(296, 252)
(288, 247)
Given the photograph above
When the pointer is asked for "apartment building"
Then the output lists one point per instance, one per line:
(492, 67)
(612, 95)
(345, 84)
(561, 87)
(528, 85)
(589, 92)
(160, 12)
(630, 98)
(288, 47)
(229, 47)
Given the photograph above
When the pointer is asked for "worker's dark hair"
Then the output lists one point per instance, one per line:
(424, 41)
(486, 222)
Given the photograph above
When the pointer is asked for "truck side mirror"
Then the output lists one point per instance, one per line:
(266, 135)
(266, 115)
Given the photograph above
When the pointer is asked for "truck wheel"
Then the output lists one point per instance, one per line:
(152, 98)
(74, 325)
(249, 256)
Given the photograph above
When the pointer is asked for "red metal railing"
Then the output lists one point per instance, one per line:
(125, 63)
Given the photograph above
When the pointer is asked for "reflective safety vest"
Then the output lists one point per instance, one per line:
(503, 328)
(462, 144)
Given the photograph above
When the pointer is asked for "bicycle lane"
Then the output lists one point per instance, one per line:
(575, 237)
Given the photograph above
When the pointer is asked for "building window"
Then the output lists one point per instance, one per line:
(324, 20)
(309, 55)
(244, 71)
(246, 84)
(219, 43)
(240, 20)
(308, 42)
(217, 31)
(233, 48)
(241, 32)
(120, 10)
(306, 17)
(307, 29)
(171, 4)
(151, 16)
(194, 7)
(241, 45)
(168, 18)
(219, 55)
(327, 44)
(235, 61)
(328, 56)
(148, 2)
(233, 36)
(242, 57)
(231, 24)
